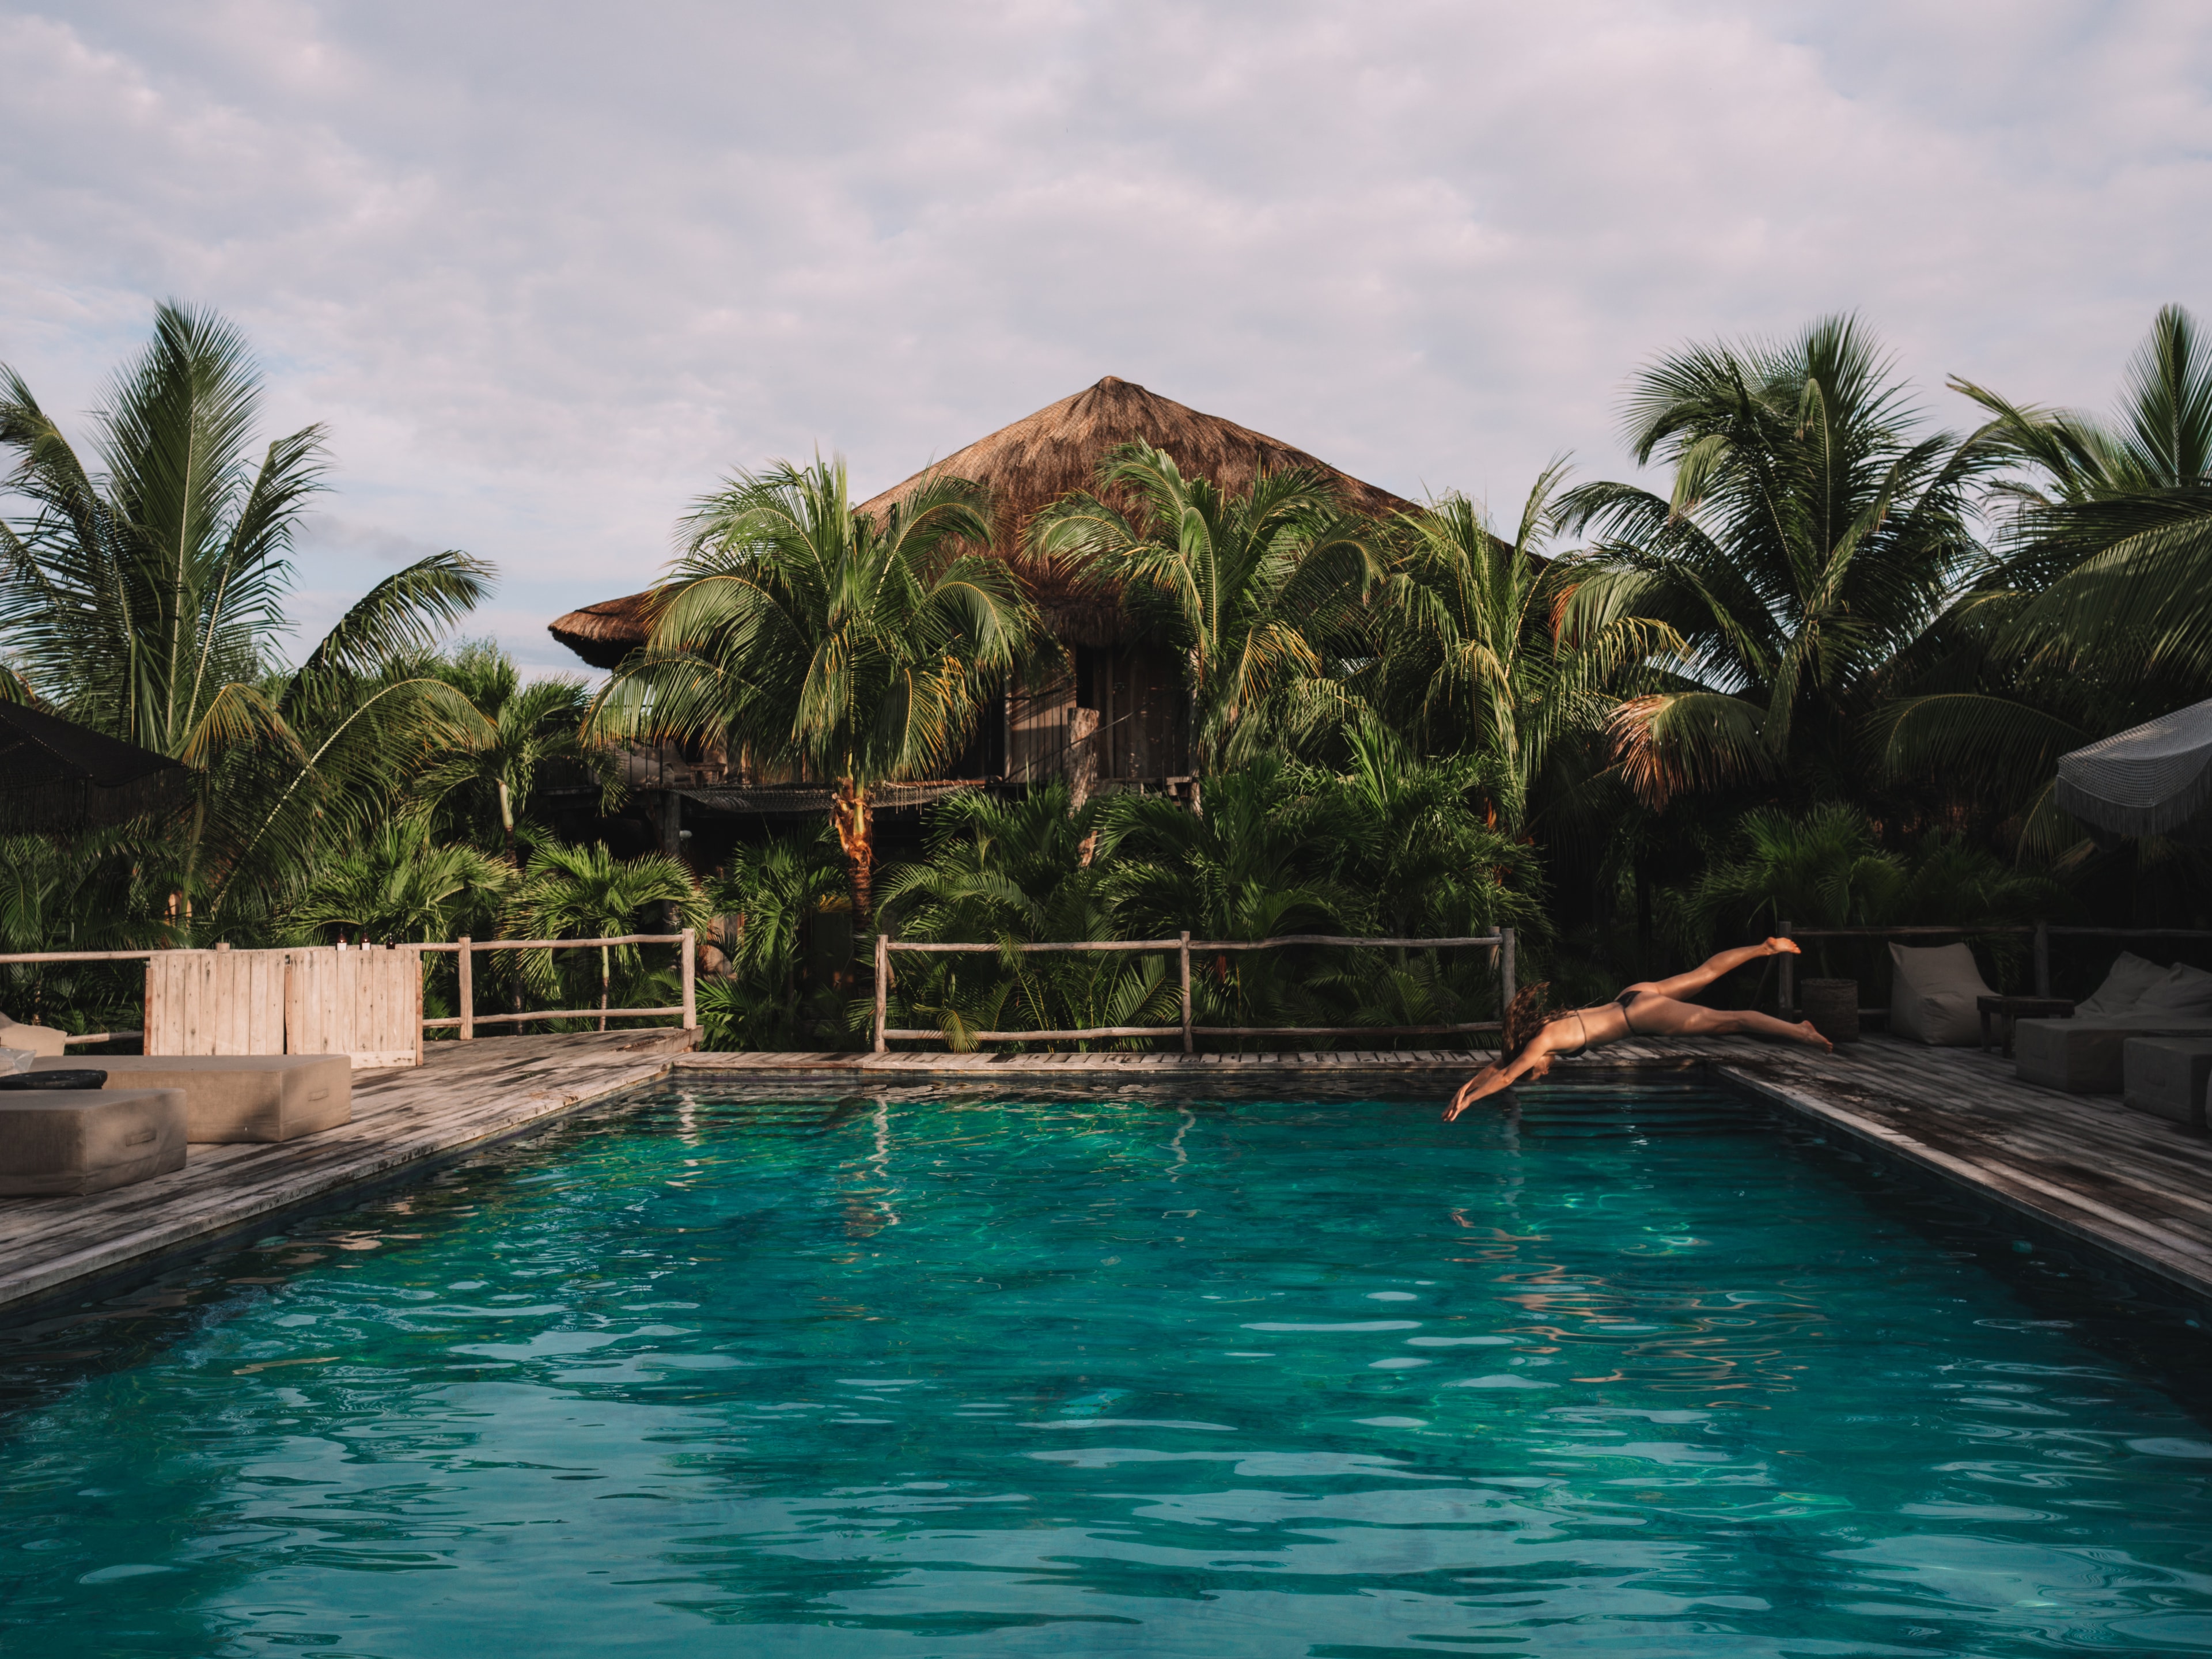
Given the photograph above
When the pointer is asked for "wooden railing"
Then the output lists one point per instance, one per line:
(465, 949)
(468, 1020)
(1183, 945)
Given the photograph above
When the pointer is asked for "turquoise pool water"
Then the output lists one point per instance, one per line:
(1621, 1374)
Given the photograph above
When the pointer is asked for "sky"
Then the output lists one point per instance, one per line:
(548, 272)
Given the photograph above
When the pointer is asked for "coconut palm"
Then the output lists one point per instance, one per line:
(586, 893)
(854, 652)
(2097, 614)
(1810, 532)
(138, 596)
(1487, 648)
(492, 778)
(1255, 592)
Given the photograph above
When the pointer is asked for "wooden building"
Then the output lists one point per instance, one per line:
(1116, 718)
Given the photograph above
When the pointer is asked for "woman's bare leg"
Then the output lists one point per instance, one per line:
(1687, 985)
(1663, 1016)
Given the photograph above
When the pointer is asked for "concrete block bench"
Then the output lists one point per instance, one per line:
(58, 1143)
(2168, 1076)
(230, 1098)
(2083, 1055)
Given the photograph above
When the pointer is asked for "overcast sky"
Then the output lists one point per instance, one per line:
(549, 270)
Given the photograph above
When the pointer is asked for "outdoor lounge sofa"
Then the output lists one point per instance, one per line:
(2086, 1054)
(64, 1143)
(231, 1097)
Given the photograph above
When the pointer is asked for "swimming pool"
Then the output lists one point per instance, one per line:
(1624, 1373)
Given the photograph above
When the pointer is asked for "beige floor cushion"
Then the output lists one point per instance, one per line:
(1932, 994)
(41, 1040)
(65, 1143)
(232, 1098)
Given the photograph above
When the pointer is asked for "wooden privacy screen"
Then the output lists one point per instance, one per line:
(367, 1004)
(215, 1002)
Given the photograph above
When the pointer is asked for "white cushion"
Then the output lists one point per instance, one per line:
(1932, 996)
(2123, 987)
(16, 1059)
(2184, 991)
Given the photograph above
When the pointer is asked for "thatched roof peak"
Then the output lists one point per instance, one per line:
(1043, 457)
(1031, 465)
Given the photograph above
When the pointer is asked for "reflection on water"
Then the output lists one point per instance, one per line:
(1634, 1375)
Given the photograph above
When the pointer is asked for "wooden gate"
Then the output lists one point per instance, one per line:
(365, 1004)
(215, 1002)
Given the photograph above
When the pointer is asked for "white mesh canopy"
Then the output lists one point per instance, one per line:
(2150, 780)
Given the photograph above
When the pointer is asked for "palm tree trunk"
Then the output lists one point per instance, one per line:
(848, 812)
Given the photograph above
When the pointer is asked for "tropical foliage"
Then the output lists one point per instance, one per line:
(858, 653)
(1821, 672)
(1251, 590)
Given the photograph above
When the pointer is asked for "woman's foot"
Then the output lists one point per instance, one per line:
(1811, 1037)
(1778, 947)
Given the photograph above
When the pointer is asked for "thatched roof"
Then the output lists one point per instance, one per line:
(1030, 466)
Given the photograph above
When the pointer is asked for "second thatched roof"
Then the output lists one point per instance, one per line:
(1026, 467)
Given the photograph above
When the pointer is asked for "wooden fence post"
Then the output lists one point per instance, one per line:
(883, 985)
(1185, 954)
(467, 975)
(1786, 981)
(690, 979)
(2042, 957)
(1506, 969)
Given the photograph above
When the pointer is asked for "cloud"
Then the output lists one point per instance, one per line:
(548, 271)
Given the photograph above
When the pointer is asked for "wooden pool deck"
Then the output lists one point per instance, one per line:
(2133, 1185)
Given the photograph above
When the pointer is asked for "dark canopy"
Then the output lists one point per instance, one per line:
(57, 776)
(2150, 780)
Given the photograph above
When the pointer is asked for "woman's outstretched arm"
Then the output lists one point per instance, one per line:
(1494, 1079)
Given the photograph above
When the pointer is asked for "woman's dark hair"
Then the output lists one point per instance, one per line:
(1524, 1017)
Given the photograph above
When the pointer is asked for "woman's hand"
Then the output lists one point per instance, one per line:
(1469, 1092)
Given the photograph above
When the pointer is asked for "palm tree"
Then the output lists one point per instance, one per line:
(1809, 533)
(525, 728)
(586, 893)
(1405, 829)
(1489, 648)
(1253, 591)
(1013, 871)
(400, 884)
(774, 890)
(138, 596)
(852, 651)
(2097, 613)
